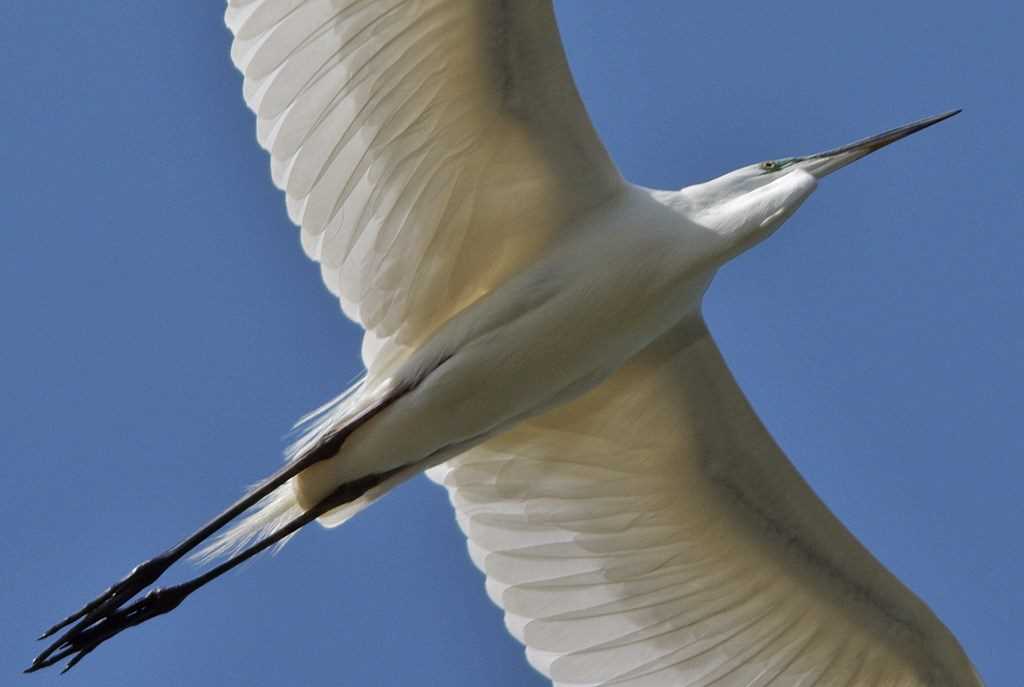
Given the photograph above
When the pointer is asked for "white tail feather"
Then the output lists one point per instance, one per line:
(266, 517)
(278, 508)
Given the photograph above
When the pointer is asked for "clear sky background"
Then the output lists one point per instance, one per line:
(162, 328)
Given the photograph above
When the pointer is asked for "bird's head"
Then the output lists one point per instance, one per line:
(748, 204)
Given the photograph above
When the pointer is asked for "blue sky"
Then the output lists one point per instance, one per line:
(163, 328)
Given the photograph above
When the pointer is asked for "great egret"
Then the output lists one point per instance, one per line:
(534, 336)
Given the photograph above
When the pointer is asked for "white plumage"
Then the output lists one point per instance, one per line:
(648, 532)
(424, 166)
(622, 535)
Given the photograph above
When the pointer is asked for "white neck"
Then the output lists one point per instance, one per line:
(743, 207)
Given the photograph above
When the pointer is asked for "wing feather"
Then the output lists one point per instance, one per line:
(427, 148)
(651, 533)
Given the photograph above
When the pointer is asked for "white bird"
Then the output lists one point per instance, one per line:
(534, 341)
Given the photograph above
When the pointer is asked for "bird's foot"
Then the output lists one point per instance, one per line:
(102, 611)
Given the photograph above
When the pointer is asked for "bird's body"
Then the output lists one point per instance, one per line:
(534, 340)
(637, 265)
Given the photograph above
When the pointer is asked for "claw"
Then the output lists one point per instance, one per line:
(117, 594)
(71, 664)
(81, 640)
(99, 610)
(107, 616)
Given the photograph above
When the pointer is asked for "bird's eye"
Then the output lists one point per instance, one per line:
(769, 166)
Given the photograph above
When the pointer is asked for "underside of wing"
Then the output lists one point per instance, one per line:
(651, 533)
(427, 148)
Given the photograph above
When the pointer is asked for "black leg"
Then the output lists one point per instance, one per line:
(88, 620)
(98, 627)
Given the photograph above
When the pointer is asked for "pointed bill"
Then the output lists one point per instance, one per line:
(822, 164)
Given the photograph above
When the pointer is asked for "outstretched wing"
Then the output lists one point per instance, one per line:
(651, 533)
(428, 148)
